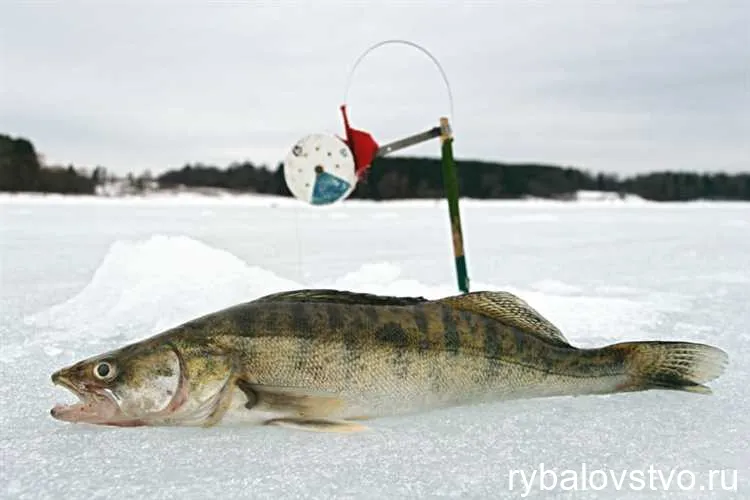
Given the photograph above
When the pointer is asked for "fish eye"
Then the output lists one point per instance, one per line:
(104, 370)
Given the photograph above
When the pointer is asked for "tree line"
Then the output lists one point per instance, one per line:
(22, 169)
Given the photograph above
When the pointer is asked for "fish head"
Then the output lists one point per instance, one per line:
(126, 387)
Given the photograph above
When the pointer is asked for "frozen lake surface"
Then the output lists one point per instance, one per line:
(83, 276)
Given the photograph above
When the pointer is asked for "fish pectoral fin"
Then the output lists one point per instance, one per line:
(222, 404)
(317, 424)
(511, 310)
(295, 401)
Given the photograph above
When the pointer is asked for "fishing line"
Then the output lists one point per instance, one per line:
(300, 266)
(410, 44)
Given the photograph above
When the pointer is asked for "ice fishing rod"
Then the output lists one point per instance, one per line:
(321, 169)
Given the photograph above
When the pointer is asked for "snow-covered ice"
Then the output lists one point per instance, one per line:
(80, 276)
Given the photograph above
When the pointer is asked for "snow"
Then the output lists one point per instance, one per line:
(610, 197)
(83, 275)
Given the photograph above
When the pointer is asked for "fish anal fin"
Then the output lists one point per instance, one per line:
(325, 295)
(317, 424)
(510, 310)
(292, 401)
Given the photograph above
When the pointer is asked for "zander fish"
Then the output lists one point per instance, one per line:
(328, 359)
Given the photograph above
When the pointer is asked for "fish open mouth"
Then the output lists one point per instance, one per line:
(95, 405)
(123, 406)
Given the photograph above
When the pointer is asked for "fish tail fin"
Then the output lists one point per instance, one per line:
(682, 366)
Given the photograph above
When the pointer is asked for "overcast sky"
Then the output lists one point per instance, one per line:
(610, 86)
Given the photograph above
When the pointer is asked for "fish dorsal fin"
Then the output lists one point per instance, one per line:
(339, 297)
(511, 310)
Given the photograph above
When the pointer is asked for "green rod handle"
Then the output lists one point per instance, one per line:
(450, 181)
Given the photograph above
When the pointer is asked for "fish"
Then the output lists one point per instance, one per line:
(330, 360)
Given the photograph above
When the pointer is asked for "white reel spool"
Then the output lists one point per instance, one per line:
(319, 170)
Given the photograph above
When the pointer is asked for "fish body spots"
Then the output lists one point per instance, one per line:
(393, 334)
(520, 339)
(301, 319)
(335, 317)
(353, 326)
(492, 340)
(372, 317)
(450, 331)
(420, 320)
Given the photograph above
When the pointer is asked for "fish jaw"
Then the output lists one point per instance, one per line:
(96, 405)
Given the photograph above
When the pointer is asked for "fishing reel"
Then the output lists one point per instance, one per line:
(321, 169)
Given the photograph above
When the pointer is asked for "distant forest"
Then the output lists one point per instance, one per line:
(23, 170)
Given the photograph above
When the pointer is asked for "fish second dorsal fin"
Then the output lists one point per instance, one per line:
(339, 297)
(511, 310)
